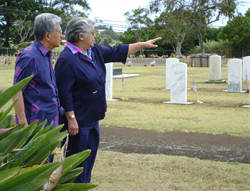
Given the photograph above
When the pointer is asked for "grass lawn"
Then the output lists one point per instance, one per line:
(141, 106)
(115, 171)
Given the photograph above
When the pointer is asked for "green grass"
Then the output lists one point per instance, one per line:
(220, 113)
(6, 80)
(141, 105)
(118, 172)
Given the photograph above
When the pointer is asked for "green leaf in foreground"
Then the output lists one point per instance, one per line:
(13, 90)
(32, 185)
(6, 174)
(21, 178)
(75, 187)
(71, 175)
(5, 123)
(10, 142)
(7, 111)
(74, 160)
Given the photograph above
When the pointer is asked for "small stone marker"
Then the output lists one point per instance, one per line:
(179, 84)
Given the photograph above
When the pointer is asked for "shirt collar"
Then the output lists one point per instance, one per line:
(74, 49)
(42, 48)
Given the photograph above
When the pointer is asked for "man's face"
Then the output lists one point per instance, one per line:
(56, 37)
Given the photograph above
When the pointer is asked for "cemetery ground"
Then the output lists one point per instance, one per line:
(148, 145)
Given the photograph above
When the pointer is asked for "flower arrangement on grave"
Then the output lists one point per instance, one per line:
(132, 56)
(173, 55)
(152, 56)
(123, 99)
(152, 63)
(17, 52)
(187, 60)
(129, 63)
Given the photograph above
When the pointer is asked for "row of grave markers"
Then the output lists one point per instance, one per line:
(176, 77)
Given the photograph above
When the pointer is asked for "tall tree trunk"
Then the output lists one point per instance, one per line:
(202, 46)
(201, 41)
(178, 49)
(7, 34)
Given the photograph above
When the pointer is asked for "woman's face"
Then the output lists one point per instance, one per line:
(90, 39)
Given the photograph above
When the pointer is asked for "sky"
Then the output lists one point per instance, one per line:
(112, 12)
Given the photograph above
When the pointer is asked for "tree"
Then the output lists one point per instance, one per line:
(202, 12)
(8, 10)
(127, 37)
(172, 30)
(28, 9)
(139, 23)
(110, 33)
(237, 32)
(100, 37)
(247, 13)
(23, 28)
(211, 33)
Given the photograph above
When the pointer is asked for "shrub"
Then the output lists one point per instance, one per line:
(23, 153)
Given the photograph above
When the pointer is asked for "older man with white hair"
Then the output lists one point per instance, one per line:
(38, 100)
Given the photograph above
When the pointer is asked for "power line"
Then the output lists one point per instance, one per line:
(112, 21)
(118, 26)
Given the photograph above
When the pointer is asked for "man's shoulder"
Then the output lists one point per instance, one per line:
(30, 50)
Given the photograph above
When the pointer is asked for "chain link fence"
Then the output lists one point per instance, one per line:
(230, 53)
(222, 53)
(9, 51)
(147, 52)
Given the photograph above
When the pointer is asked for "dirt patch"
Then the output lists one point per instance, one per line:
(223, 148)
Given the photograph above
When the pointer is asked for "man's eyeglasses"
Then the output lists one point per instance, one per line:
(92, 32)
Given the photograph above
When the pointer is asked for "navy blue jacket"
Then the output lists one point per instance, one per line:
(81, 85)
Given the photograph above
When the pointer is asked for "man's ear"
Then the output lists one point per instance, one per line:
(47, 36)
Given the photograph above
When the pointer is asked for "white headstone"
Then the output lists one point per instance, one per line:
(234, 75)
(246, 67)
(215, 67)
(179, 83)
(109, 82)
(248, 106)
(169, 61)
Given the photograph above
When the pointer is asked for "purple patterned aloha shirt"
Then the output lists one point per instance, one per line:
(40, 94)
